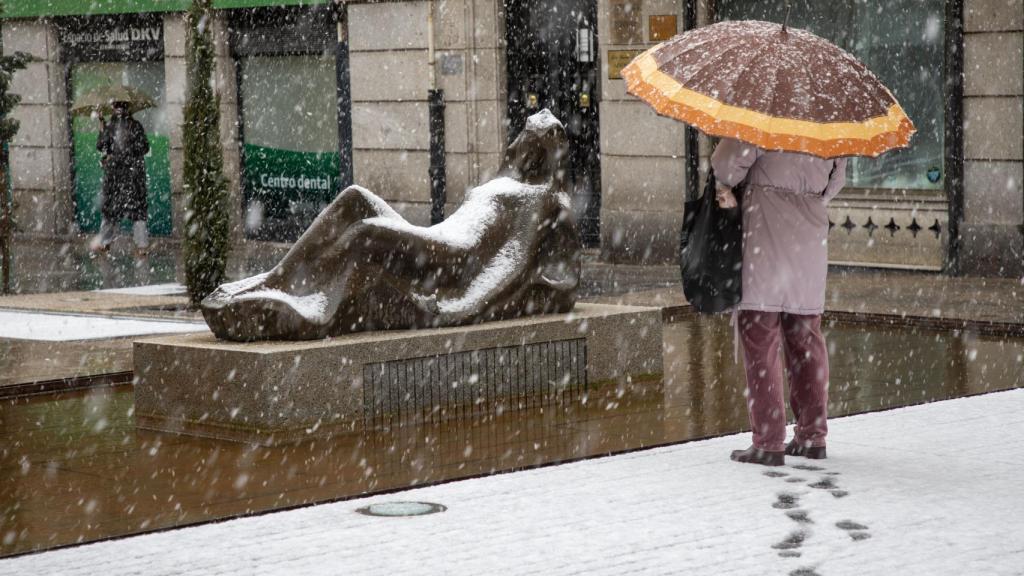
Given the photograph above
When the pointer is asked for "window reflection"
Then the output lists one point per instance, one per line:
(902, 42)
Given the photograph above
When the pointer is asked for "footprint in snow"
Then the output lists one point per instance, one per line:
(774, 474)
(804, 572)
(789, 554)
(856, 530)
(807, 467)
(826, 483)
(799, 516)
(793, 541)
(786, 501)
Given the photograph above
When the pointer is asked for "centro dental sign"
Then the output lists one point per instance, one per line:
(299, 182)
(286, 182)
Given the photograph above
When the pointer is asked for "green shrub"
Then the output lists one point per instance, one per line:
(206, 219)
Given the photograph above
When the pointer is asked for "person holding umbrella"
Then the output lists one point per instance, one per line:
(123, 145)
(785, 261)
(790, 108)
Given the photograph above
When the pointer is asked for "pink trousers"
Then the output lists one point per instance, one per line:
(807, 364)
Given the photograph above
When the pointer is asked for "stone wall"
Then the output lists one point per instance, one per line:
(390, 83)
(643, 155)
(993, 227)
(40, 154)
(643, 159)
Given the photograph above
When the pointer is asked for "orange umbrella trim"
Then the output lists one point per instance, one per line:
(669, 98)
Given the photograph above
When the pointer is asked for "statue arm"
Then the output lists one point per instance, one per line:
(498, 276)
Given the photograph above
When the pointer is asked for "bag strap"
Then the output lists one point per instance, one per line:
(830, 173)
(739, 188)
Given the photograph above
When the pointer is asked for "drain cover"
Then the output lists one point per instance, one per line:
(402, 509)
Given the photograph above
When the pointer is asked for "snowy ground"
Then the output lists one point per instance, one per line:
(931, 490)
(66, 327)
(172, 289)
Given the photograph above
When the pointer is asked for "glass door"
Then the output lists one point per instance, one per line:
(553, 63)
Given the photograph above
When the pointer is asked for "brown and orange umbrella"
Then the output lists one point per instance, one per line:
(775, 87)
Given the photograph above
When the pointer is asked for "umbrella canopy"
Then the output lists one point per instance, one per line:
(775, 87)
(101, 100)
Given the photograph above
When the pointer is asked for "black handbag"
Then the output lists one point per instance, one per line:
(711, 251)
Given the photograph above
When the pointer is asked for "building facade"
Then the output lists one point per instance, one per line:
(317, 94)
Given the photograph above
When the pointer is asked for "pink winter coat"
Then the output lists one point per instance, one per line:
(785, 224)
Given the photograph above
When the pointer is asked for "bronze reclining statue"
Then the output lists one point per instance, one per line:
(511, 249)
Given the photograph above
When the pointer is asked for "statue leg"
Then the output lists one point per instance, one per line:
(318, 281)
(312, 259)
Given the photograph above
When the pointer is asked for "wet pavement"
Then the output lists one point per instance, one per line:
(76, 470)
(50, 266)
(37, 362)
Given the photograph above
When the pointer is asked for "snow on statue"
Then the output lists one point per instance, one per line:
(511, 249)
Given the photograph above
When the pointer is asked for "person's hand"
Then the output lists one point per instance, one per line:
(725, 197)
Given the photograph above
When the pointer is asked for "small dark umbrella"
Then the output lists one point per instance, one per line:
(775, 87)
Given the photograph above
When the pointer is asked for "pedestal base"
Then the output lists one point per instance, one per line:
(274, 392)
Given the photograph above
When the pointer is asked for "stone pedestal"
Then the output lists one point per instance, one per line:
(274, 392)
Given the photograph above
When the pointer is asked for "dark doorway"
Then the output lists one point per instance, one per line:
(553, 63)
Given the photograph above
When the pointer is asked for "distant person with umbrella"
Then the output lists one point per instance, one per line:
(790, 107)
(123, 146)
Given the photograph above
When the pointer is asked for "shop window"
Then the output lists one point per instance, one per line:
(290, 152)
(287, 79)
(117, 50)
(902, 42)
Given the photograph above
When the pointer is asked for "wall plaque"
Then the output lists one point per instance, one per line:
(662, 27)
(627, 25)
(451, 64)
(618, 59)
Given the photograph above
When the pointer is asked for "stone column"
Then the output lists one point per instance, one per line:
(40, 154)
(390, 133)
(175, 39)
(226, 82)
(993, 227)
(643, 161)
(471, 70)
(175, 34)
(390, 80)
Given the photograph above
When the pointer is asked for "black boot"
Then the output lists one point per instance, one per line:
(754, 455)
(795, 448)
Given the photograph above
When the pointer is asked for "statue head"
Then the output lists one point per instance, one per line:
(540, 153)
